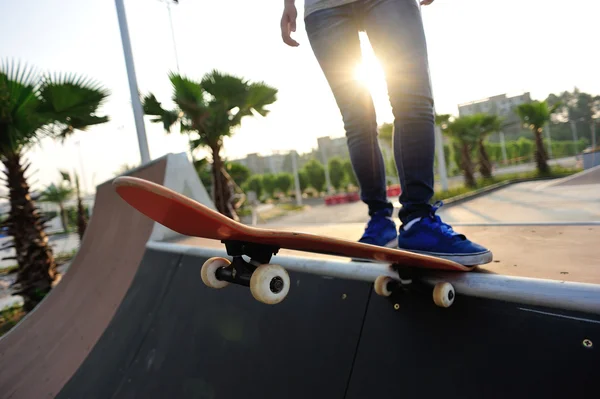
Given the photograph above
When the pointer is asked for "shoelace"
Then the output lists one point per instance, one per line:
(446, 229)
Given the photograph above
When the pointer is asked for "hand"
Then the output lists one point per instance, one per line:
(288, 24)
(426, 2)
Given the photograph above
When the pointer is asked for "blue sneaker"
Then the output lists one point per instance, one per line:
(380, 230)
(430, 236)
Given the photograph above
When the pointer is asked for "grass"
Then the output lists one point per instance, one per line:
(555, 172)
(9, 317)
(60, 259)
(8, 270)
(280, 210)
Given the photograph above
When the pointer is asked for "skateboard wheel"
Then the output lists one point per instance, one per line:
(443, 294)
(209, 268)
(269, 284)
(381, 286)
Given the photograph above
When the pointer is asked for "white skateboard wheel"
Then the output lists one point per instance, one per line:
(269, 284)
(209, 268)
(443, 294)
(381, 286)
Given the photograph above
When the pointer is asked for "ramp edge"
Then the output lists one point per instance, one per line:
(556, 294)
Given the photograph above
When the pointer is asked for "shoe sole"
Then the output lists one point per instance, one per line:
(474, 259)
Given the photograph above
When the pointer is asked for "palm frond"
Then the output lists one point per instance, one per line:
(259, 96)
(186, 91)
(464, 129)
(56, 193)
(536, 113)
(65, 175)
(153, 107)
(72, 102)
(19, 121)
(229, 89)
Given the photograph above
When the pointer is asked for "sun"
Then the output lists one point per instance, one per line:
(370, 74)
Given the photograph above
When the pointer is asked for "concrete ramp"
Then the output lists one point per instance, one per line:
(589, 176)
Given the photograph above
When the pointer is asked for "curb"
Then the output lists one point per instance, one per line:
(459, 199)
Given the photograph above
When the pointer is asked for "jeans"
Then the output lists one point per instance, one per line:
(395, 31)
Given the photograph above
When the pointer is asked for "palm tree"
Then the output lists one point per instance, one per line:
(58, 194)
(34, 106)
(209, 110)
(464, 131)
(535, 115)
(82, 217)
(488, 124)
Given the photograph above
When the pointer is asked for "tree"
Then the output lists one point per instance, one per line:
(269, 184)
(575, 106)
(464, 131)
(203, 170)
(255, 183)
(349, 172)
(336, 172)
(488, 124)
(238, 172)
(58, 194)
(535, 115)
(208, 111)
(82, 217)
(386, 133)
(303, 179)
(284, 182)
(34, 106)
(124, 168)
(315, 172)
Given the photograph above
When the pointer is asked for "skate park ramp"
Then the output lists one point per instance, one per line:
(589, 176)
(50, 343)
(135, 321)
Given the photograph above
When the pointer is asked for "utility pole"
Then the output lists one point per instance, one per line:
(503, 147)
(168, 2)
(326, 166)
(593, 129)
(294, 154)
(136, 104)
(547, 129)
(574, 131)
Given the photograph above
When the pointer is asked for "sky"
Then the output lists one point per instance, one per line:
(477, 49)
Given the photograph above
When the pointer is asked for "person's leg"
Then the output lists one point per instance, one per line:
(396, 33)
(333, 36)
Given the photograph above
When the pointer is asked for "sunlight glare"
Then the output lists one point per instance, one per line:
(370, 74)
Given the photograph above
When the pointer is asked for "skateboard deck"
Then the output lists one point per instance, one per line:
(188, 217)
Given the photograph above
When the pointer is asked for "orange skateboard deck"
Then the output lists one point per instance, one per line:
(186, 216)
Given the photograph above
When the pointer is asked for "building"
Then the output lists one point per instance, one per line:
(259, 164)
(279, 162)
(500, 105)
(331, 148)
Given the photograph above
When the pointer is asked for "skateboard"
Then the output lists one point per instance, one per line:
(268, 283)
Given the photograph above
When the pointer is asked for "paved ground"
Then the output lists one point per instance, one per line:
(564, 253)
(531, 202)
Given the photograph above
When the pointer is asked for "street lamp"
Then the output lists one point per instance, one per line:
(168, 3)
(133, 89)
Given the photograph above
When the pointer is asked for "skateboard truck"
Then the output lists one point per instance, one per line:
(268, 283)
(443, 292)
